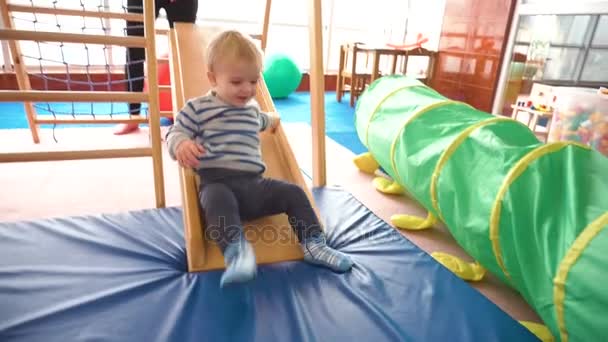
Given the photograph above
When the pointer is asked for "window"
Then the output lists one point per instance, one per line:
(574, 47)
(601, 34)
(343, 21)
(564, 30)
(596, 68)
(386, 21)
(596, 64)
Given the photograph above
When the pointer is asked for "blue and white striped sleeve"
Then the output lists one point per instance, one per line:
(266, 120)
(185, 127)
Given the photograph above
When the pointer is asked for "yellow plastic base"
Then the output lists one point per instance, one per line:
(365, 162)
(410, 222)
(387, 186)
(464, 270)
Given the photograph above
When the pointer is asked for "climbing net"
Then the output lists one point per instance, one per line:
(73, 66)
(66, 56)
(82, 66)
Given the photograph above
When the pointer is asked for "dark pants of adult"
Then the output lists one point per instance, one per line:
(229, 197)
(177, 11)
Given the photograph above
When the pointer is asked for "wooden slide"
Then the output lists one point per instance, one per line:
(272, 237)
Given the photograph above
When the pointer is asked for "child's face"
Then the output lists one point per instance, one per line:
(235, 83)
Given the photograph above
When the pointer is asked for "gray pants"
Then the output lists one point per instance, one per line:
(228, 197)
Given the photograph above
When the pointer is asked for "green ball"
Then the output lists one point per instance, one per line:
(282, 75)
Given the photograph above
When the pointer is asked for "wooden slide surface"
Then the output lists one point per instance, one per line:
(272, 237)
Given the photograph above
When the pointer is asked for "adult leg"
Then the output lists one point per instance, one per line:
(267, 196)
(183, 11)
(180, 11)
(134, 67)
(223, 226)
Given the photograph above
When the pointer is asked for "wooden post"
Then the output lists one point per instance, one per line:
(317, 94)
(153, 107)
(264, 39)
(177, 92)
(196, 248)
(20, 73)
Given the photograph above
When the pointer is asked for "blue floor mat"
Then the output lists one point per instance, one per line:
(296, 108)
(122, 277)
(339, 117)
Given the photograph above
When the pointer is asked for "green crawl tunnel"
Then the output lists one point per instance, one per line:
(531, 213)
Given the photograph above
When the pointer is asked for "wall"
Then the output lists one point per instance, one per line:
(425, 17)
(471, 45)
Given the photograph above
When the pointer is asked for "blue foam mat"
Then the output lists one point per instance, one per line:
(339, 117)
(122, 277)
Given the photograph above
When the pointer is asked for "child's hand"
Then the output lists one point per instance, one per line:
(188, 152)
(276, 120)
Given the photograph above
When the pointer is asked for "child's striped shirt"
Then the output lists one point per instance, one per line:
(228, 134)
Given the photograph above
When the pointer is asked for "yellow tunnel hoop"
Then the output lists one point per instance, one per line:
(380, 103)
(513, 174)
(449, 151)
(574, 252)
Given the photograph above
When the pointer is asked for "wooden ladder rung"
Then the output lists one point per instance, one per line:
(166, 113)
(164, 87)
(63, 37)
(63, 119)
(74, 155)
(71, 96)
(76, 12)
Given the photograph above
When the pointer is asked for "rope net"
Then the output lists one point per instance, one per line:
(81, 66)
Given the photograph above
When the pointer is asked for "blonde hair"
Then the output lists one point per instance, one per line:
(230, 46)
